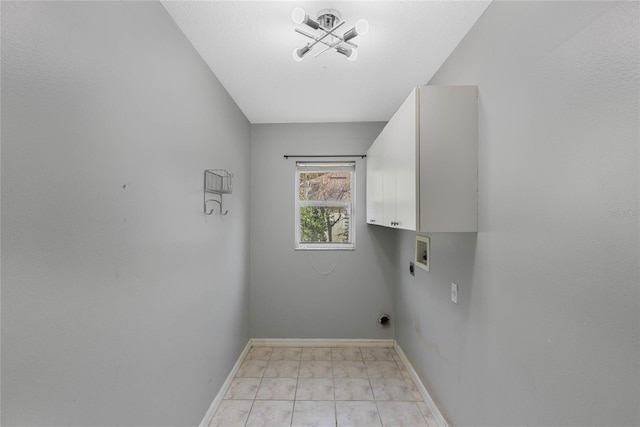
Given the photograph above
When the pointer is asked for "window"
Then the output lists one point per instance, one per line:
(325, 200)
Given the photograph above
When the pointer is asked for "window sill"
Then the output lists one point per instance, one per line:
(325, 249)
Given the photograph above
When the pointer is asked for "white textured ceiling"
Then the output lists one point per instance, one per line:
(248, 46)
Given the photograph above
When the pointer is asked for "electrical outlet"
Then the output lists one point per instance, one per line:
(454, 293)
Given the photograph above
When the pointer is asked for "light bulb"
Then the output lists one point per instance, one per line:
(350, 34)
(298, 54)
(298, 14)
(362, 27)
(350, 53)
(354, 55)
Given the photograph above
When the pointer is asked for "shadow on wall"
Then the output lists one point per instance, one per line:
(385, 246)
(453, 260)
(430, 327)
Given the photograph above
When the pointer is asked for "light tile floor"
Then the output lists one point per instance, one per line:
(311, 386)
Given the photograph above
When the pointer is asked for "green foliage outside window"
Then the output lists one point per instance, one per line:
(324, 224)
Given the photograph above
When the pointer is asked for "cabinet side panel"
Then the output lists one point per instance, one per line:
(374, 184)
(448, 158)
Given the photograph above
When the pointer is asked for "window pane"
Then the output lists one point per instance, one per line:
(325, 186)
(324, 224)
(325, 192)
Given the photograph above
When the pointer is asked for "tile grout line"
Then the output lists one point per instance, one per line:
(333, 381)
(253, 402)
(397, 354)
(375, 401)
(295, 394)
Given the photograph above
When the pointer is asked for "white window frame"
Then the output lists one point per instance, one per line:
(351, 206)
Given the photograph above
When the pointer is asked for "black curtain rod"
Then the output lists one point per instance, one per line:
(362, 156)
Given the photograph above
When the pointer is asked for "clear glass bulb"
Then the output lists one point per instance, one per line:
(295, 55)
(362, 27)
(298, 14)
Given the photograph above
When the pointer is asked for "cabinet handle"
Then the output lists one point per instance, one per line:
(372, 220)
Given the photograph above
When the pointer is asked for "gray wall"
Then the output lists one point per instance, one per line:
(546, 331)
(289, 299)
(122, 304)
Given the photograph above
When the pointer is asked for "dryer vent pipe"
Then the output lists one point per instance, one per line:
(384, 320)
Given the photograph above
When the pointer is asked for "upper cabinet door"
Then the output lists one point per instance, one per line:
(404, 145)
(391, 171)
(375, 197)
(388, 177)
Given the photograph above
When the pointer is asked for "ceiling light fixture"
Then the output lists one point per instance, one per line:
(327, 22)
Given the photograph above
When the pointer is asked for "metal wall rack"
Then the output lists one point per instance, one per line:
(219, 182)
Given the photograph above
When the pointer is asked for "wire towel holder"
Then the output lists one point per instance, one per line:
(219, 182)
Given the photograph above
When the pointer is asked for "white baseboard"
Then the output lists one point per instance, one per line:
(208, 417)
(315, 342)
(303, 342)
(437, 415)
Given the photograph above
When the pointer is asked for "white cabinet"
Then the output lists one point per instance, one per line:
(391, 171)
(422, 169)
